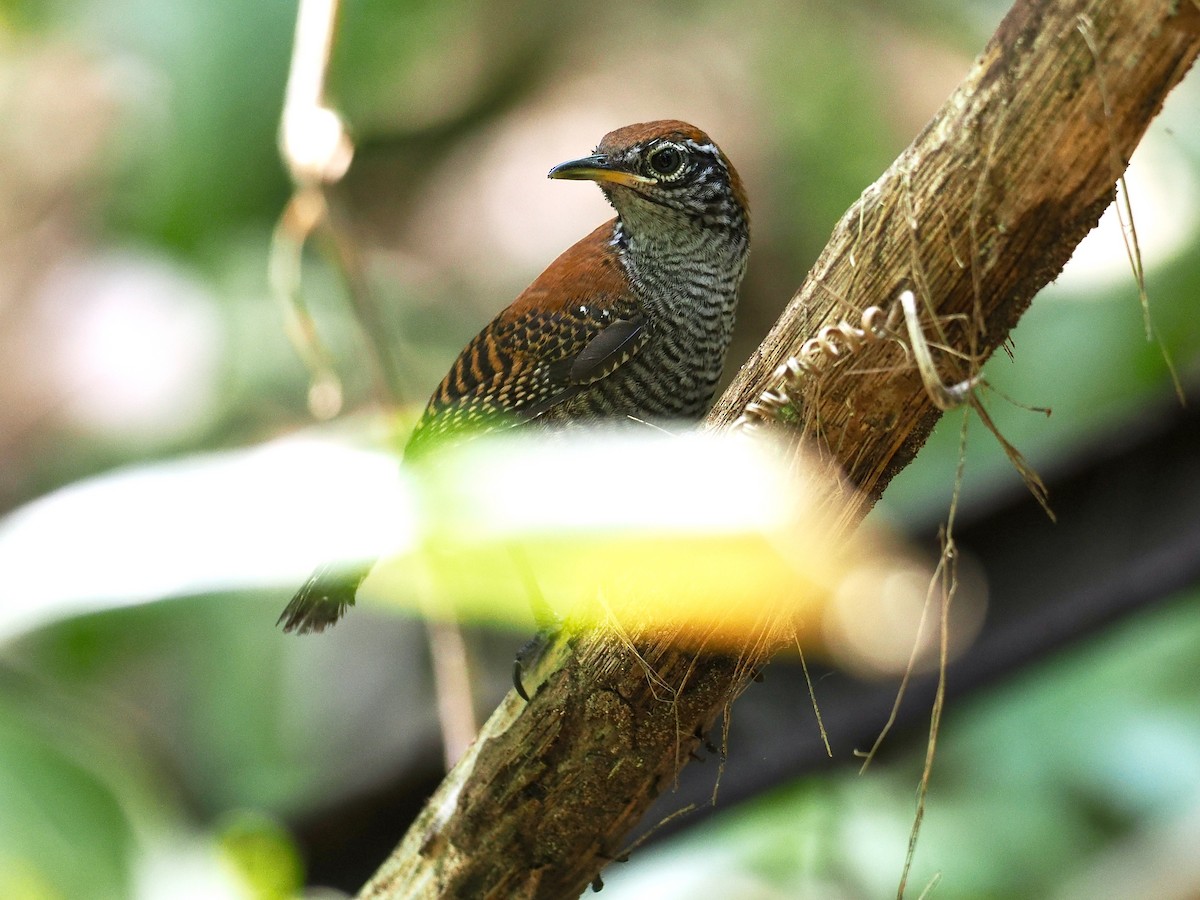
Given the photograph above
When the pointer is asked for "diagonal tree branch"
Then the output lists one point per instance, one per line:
(977, 215)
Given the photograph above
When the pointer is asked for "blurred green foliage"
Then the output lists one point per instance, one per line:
(198, 158)
(64, 820)
(1034, 782)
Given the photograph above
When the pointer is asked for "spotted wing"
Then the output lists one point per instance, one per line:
(576, 324)
(522, 365)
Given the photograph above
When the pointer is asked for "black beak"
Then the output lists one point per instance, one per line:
(599, 168)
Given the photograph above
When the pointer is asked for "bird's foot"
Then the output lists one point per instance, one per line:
(527, 658)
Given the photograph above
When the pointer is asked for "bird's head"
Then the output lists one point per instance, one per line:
(663, 169)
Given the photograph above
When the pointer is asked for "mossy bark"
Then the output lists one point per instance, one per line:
(976, 216)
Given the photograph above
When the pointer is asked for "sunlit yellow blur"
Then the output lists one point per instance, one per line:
(715, 542)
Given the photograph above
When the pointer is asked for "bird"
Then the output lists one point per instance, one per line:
(633, 322)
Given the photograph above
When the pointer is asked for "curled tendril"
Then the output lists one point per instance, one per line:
(834, 343)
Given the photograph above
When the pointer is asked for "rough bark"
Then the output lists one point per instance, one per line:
(978, 214)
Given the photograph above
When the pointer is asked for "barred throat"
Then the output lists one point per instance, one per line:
(688, 279)
(684, 272)
(688, 287)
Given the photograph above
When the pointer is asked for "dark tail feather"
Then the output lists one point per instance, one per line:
(324, 597)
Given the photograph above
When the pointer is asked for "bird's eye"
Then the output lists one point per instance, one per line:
(666, 160)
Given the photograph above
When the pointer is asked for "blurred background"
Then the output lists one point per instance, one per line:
(160, 738)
